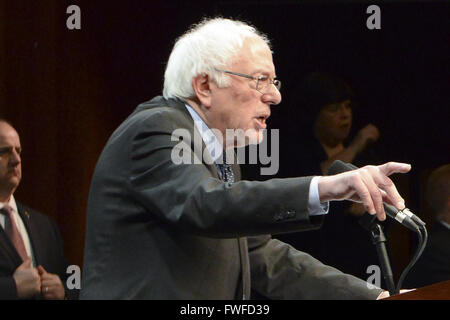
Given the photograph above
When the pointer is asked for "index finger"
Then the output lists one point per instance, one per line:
(394, 167)
(389, 191)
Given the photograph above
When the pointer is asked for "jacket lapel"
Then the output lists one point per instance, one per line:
(198, 145)
(33, 233)
(207, 160)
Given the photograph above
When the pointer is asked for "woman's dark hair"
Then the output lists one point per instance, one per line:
(320, 89)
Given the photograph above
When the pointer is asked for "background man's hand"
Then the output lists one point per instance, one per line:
(28, 282)
(369, 185)
(51, 285)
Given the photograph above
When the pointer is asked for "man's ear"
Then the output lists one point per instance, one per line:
(202, 89)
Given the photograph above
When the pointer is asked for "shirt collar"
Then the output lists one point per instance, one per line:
(209, 138)
(11, 203)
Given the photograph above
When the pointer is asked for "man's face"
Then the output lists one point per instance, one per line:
(10, 162)
(241, 106)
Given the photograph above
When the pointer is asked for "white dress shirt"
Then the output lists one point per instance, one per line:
(215, 149)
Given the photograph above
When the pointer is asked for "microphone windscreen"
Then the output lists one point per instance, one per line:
(339, 166)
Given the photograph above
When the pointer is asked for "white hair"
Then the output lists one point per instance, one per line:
(210, 45)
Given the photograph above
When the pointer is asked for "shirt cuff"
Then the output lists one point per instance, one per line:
(316, 207)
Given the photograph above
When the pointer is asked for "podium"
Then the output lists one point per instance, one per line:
(437, 291)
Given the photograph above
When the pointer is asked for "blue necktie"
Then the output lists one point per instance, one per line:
(226, 170)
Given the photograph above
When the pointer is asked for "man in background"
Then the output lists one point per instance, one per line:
(434, 264)
(32, 262)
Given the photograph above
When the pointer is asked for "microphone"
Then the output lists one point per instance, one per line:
(405, 216)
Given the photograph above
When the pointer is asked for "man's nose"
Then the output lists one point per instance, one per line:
(273, 96)
(15, 158)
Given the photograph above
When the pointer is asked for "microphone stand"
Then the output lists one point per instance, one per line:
(369, 223)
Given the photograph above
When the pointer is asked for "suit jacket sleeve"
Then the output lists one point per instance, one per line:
(278, 271)
(200, 202)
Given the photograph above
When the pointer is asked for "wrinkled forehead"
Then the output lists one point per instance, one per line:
(254, 54)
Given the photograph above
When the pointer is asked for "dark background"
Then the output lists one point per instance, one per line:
(66, 91)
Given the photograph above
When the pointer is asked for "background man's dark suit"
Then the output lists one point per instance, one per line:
(434, 265)
(47, 248)
(157, 230)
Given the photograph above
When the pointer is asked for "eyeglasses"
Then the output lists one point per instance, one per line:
(262, 82)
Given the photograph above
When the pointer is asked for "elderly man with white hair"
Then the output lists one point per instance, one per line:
(161, 228)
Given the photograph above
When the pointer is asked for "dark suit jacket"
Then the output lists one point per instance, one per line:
(158, 230)
(434, 264)
(47, 248)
